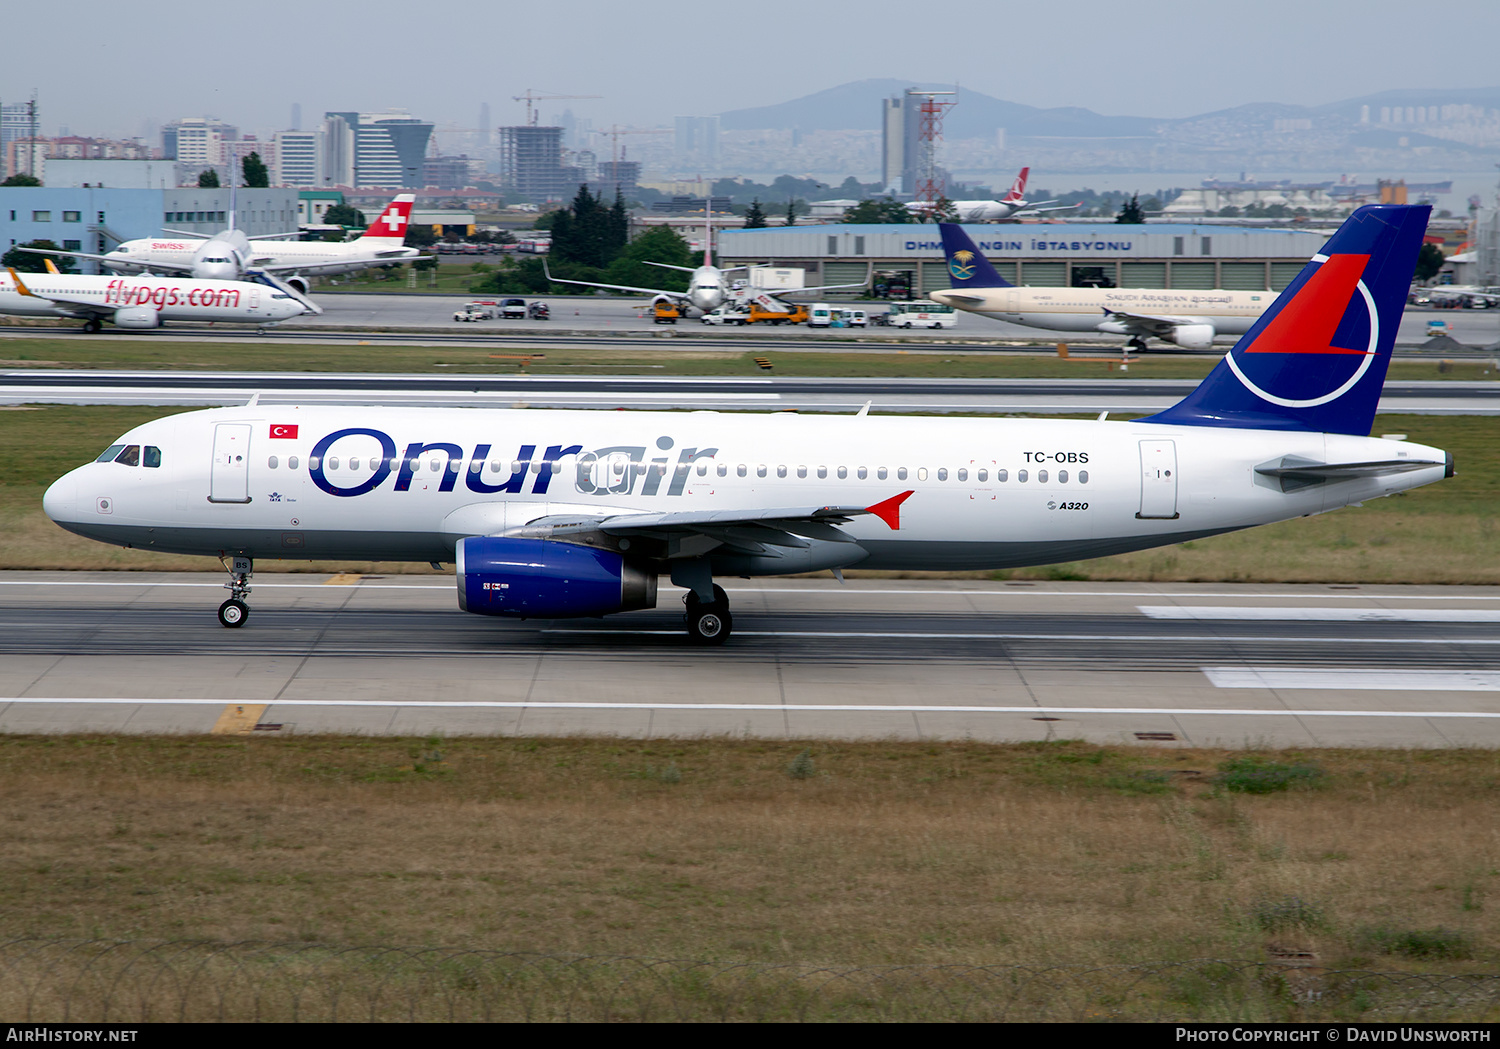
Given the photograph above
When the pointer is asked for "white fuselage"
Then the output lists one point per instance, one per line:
(707, 288)
(1086, 309)
(409, 483)
(169, 298)
(326, 258)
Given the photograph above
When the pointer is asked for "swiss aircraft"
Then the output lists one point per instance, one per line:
(144, 302)
(554, 514)
(231, 255)
(1013, 205)
(1183, 317)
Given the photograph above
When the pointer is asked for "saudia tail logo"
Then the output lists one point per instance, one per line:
(961, 265)
(1320, 344)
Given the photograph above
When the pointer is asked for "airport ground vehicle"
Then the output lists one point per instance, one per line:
(728, 315)
(539, 311)
(665, 311)
(482, 310)
(819, 315)
(513, 309)
(592, 507)
(853, 318)
(921, 313)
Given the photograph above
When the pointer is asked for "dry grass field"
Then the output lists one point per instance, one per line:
(851, 854)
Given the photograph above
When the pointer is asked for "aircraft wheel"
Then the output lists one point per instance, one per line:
(93, 325)
(709, 624)
(233, 613)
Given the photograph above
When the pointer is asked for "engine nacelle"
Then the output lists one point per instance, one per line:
(1192, 336)
(137, 317)
(543, 579)
(298, 283)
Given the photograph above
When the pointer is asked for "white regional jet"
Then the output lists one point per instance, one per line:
(551, 514)
(1185, 318)
(144, 302)
(230, 255)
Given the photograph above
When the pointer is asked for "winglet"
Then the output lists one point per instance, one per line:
(20, 287)
(51, 266)
(889, 510)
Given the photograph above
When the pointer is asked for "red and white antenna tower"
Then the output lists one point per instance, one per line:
(930, 187)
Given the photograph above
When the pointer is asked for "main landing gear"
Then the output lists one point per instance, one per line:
(235, 611)
(93, 325)
(707, 616)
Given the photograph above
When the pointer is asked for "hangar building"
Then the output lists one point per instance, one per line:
(902, 260)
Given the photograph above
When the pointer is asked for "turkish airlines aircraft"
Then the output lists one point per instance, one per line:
(1012, 205)
(144, 302)
(551, 514)
(230, 255)
(1189, 319)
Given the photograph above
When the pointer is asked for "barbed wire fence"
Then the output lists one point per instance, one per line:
(96, 981)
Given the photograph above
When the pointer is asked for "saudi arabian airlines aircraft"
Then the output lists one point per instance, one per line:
(1189, 319)
(1013, 205)
(552, 514)
(230, 255)
(144, 302)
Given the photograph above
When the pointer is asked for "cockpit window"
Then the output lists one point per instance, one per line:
(108, 455)
(131, 456)
(152, 457)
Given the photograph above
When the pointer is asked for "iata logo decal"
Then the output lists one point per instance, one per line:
(962, 264)
(1320, 344)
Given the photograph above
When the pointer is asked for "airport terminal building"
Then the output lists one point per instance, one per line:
(902, 260)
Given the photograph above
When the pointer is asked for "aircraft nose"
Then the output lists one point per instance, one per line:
(61, 499)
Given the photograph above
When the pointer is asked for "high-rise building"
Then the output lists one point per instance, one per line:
(697, 139)
(531, 162)
(375, 151)
(299, 159)
(18, 123)
(197, 140)
(892, 142)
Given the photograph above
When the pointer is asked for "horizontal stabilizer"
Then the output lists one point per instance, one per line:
(1294, 472)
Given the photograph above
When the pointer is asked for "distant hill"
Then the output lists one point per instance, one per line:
(857, 105)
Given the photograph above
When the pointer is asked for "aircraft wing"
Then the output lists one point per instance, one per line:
(377, 259)
(822, 287)
(1159, 325)
(750, 531)
(1038, 206)
(612, 287)
(177, 267)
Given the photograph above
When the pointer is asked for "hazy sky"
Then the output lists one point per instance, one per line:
(109, 68)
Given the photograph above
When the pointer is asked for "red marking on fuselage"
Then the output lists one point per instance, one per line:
(889, 510)
(1308, 322)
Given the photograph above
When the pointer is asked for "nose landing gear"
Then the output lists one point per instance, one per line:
(234, 612)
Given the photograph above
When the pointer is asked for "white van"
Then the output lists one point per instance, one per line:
(921, 314)
(819, 315)
(853, 318)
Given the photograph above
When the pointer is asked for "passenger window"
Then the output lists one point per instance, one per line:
(333, 462)
(1020, 476)
(942, 473)
(271, 462)
(984, 475)
(108, 455)
(1041, 477)
(151, 459)
(661, 469)
(781, 471)
(702, 469)
(476, 466)
(740, 470)
(760, 471)
(921, 473)
(723, 469)
(963, 475)
(843, 472)
(1002, 476)
(291, 462)
(862, 473)
(312, 462)
(822, 472)
(375, 463)
(801, 471)
(1083, 477)
(1062, 477)
(495, 465)
(900, 473)
(131, 456)
(880, 473)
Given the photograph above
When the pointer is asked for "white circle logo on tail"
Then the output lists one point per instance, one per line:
(1286, 334)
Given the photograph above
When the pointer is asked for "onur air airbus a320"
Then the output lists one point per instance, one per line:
(551, 514)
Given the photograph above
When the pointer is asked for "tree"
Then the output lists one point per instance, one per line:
(886, 210)
(344, 215)
(27, 262)
(20, 178)
(619, 226)
(1430, 262)
(585, 232)
(755, 218)
(1131, 214)
(208, 179)
(942, 210)
(254, 171)
(419, 235)
(658, 244)
(791, 213)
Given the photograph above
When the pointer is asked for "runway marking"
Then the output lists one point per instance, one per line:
(1348, 679)
(780, 708)
(239, 719)
(345, 579)
(1136, 638)
(1324, 615)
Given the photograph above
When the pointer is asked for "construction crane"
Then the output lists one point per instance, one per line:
(529, 98)
(615, 131)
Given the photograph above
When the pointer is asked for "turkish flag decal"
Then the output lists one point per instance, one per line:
(283, 431)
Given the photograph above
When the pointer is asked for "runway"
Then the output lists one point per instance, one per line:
(1179, 664)
(1039, 396)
